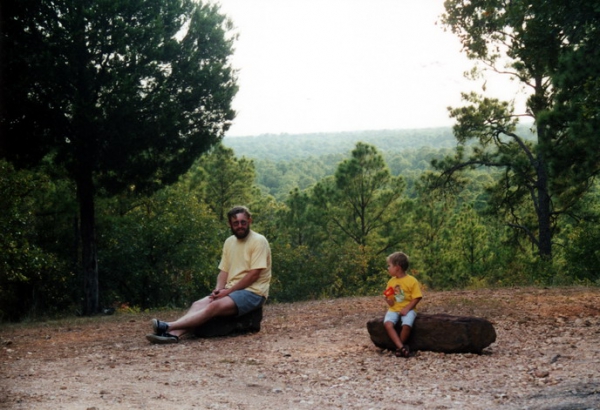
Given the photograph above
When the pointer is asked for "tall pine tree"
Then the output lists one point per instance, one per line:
(528, 40)
(122, 94)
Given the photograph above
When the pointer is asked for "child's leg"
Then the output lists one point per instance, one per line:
(391, 331)
(405, 333)
(407, 323)
(389, 322)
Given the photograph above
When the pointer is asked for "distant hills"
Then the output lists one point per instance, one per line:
(285, 147)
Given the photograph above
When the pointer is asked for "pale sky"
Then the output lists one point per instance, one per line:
(346, 65)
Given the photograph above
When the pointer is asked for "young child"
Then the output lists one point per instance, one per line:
(402, 294)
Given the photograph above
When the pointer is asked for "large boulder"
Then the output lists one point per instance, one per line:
(439, 333)
(228, 325)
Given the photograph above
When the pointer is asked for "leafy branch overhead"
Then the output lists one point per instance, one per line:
(122, 94)
(536, 44)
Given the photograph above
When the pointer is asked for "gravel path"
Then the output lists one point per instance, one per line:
(315, 355)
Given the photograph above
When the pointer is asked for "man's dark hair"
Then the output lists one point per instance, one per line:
(239, 209)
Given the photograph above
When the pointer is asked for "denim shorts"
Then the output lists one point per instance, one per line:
(407, 320)
(246, 301)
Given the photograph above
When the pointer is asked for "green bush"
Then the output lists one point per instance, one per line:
(163, 252)
(33, 280)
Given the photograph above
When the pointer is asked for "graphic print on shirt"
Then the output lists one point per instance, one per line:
(399, 294)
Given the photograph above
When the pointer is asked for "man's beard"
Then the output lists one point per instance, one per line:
(241, 233)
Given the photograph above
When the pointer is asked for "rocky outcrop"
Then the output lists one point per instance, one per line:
(439, 333)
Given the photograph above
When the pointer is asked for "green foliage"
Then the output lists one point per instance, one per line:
(33, 279)
(221, 180)
(357, 201)
(576, 112)
(280, 178)
(427, 239)
(328, 272)
(161, 251)
(298, 275)
(118, 93)
(301, 222)
(288, 148)
(582, 253)
(537, 42)
(119, 86)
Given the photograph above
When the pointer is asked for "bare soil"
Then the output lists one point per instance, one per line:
(315, 355)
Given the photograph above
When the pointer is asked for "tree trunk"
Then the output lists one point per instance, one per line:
(545, 230)
(544, 202)
(89, 258)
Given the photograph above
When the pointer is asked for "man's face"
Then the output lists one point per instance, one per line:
(240, 225)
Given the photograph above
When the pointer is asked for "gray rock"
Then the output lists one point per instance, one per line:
(439, 333)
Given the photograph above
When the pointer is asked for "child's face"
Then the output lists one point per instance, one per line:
(393, 270)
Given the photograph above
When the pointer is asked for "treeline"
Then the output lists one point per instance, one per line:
(331, 220)
(289, 147)
(284, 162)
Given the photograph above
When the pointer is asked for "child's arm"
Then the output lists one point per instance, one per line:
(388, 294)
(390, 301)
(412, 304)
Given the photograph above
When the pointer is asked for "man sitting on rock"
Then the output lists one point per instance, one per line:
(242, 283)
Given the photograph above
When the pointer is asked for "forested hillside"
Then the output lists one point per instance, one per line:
(286, 162)
(114, 183)
(285, 147)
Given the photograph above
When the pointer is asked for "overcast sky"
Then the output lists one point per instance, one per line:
(345, 65)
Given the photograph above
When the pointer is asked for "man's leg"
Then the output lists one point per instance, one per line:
(200, 312)
(160, 327)
(197, 306)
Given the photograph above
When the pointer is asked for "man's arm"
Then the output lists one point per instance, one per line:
(221, 281)
(250, 277)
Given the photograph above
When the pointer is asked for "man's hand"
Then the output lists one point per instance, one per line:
(219, 293)
(215, 294)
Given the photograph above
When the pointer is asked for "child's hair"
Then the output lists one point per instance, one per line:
(399, 259)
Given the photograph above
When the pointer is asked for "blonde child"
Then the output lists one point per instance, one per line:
(402, 295)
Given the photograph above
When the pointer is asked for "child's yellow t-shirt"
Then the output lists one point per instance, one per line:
(406, 289)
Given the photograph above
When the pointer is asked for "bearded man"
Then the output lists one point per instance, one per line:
(242, 283)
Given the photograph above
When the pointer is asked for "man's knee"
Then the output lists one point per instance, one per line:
(222, 307)
(200, 304)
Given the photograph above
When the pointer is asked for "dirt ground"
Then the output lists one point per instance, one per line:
(315, 355)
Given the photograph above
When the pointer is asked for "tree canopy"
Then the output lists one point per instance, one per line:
(358, 199)
(103, 116)
(122, 94)
(528, 40)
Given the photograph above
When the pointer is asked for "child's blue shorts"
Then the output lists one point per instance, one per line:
(407, 320)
